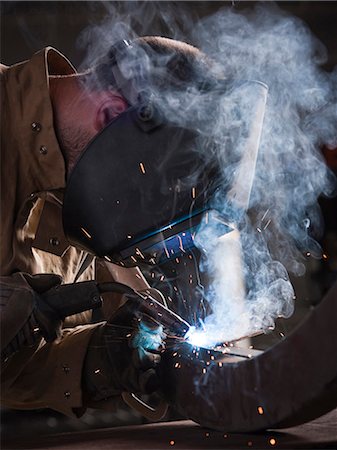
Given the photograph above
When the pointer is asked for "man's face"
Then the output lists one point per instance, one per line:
(86, 115)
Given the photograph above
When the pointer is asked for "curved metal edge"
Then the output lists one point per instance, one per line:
(292, 382)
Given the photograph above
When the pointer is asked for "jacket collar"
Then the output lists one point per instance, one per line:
(33, 113)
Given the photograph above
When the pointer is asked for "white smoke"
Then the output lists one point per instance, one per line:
(249, 266)
(290, 173)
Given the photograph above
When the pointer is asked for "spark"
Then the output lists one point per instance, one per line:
(86, 233)
(177, 260)
(325, 256)
(260, 410)
(97, 371)
(181, 245)
(166, 251)
(193, 192)
(139, 253)
(259, 230)
(162, 278)
(249, 443)
(272, 441)
(129, 236)
(142, 168)
(172, 442)
(282, 335)
(308, 254)
(133, 258)
(225, 436)
(204, 371)
(267, 224)
(203, 327)
(220, 364)
(207, 434)
(264, 215)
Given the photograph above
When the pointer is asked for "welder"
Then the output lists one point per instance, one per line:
(50, 115)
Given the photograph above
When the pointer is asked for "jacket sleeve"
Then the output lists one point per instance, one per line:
(48, 376)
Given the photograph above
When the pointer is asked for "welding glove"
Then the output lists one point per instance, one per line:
(21, 319)
(123, 355)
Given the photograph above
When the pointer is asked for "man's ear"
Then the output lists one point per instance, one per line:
(111, 106)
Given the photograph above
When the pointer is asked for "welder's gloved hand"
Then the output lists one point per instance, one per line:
(20, 317)
(123, 355)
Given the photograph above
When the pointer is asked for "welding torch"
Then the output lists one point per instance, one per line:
(54, 305)
(69, 299)
(150, 307)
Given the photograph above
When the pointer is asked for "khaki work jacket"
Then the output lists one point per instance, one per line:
(33, 177)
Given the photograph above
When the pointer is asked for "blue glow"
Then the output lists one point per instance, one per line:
(171, 225)
(174, 245)
(147, 338)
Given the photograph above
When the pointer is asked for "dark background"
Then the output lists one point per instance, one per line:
(29, 26)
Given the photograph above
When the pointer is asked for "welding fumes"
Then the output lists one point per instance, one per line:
(206, 127)
(164, 221)
(224, 203)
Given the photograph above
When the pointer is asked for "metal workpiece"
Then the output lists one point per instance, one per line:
(291, 383)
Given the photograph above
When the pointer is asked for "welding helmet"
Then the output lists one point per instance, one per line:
(142, 184)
